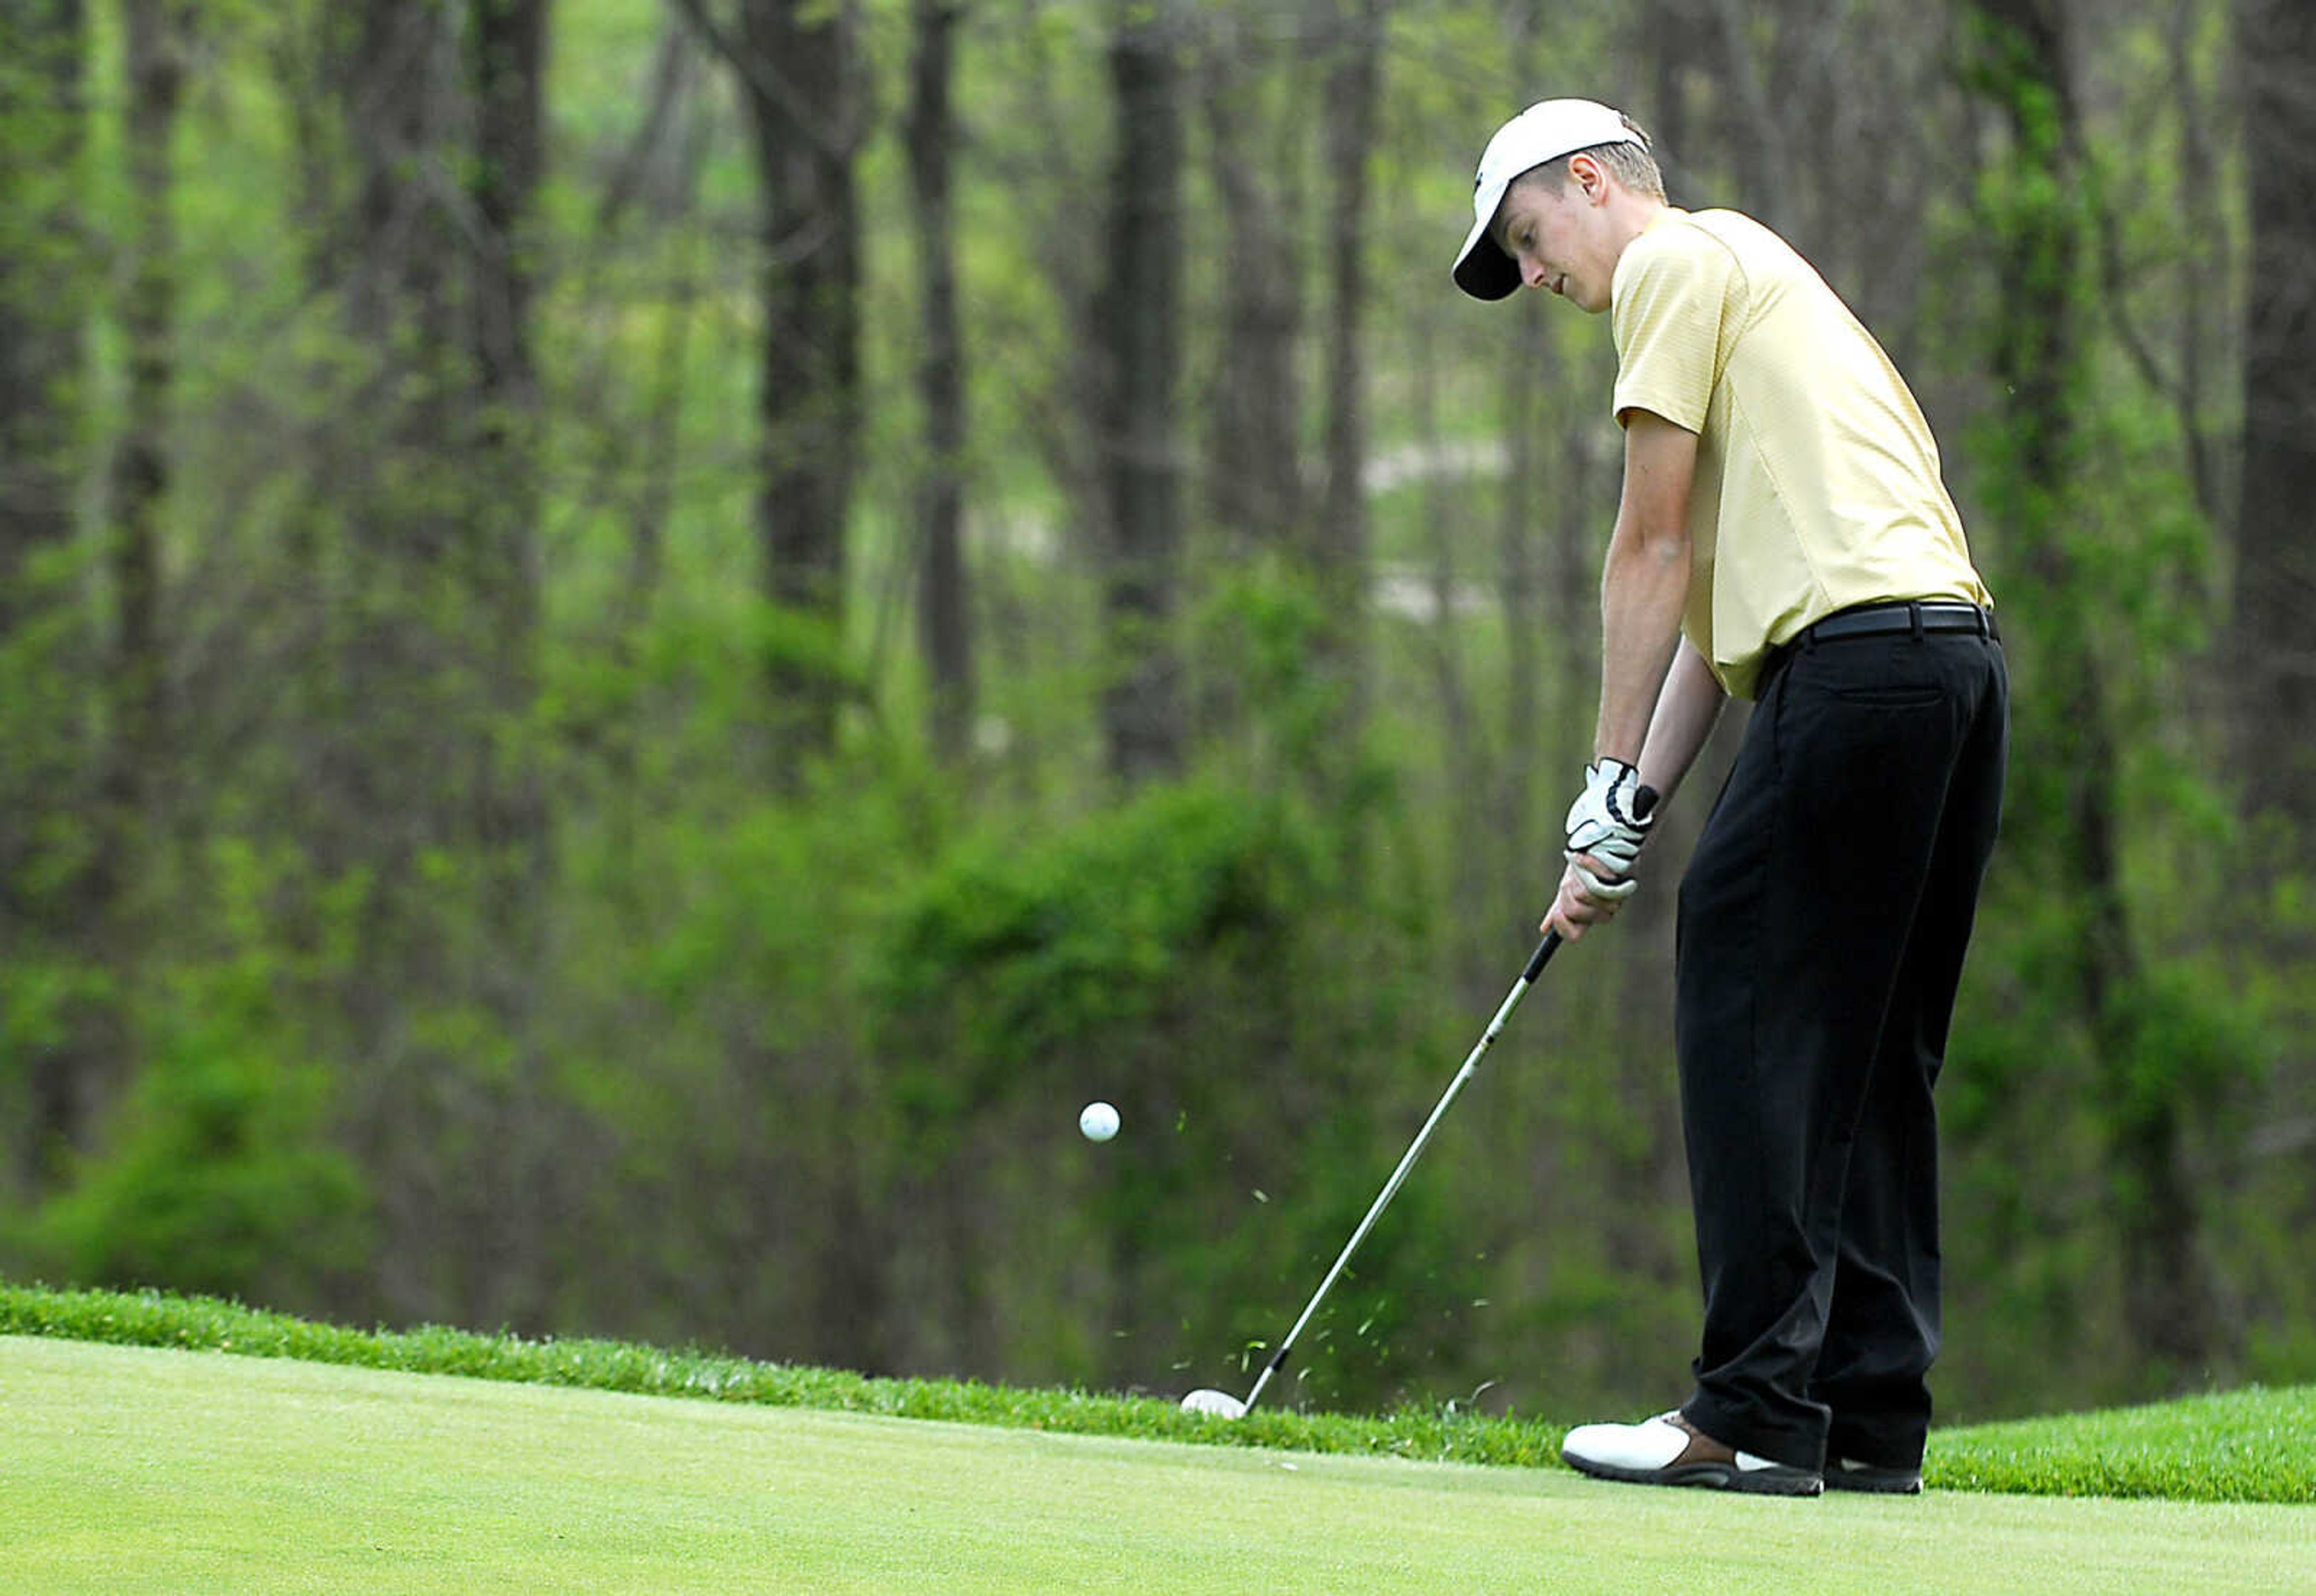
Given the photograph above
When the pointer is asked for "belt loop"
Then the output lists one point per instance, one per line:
(1914, 613)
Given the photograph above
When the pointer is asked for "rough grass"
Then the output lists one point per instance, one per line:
(2247, 1446)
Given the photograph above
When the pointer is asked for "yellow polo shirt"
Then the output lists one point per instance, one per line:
(1817, 479)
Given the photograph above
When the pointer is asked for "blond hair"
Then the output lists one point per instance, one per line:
(1631, 164)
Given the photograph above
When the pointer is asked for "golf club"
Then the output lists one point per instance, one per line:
(1221, 1404)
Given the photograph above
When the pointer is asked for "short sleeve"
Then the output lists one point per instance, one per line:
(1675, 290)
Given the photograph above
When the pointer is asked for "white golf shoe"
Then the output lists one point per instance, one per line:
(1668, 1451)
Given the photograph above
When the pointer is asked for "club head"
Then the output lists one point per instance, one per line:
(1222, 1404)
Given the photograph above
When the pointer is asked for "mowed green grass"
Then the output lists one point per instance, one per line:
(2251, 1445)
(131, 1469)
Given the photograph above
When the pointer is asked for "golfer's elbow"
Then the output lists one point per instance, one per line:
(1664, 544)
(1651, 549)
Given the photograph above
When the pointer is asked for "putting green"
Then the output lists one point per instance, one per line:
(129, 1470)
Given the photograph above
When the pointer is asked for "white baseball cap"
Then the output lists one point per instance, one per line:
(1544, 132)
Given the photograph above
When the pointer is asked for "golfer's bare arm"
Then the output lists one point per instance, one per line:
(1643, 585)
(1658, 700)
(1685, 711)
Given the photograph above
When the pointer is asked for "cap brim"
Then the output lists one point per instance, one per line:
(1483, 270)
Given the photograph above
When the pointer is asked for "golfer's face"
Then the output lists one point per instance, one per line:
(1547, 229)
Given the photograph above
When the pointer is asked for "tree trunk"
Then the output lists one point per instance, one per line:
(50, 906)
(42, 304)
(801, 74)
(136, 756)
(1472, 756)
(2274, 623)
(140, 462)
(1254, 100)
(1253, 449)
(799, 66)
(1523, 862)
(2038, 233)
(508, 72)
(1338, 543)
(510, 77)
(518, 1185)
(943, 612)
(1138, 328)
(412, 710)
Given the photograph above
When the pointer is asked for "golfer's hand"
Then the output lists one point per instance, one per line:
(1588, 896)
(1609, 820)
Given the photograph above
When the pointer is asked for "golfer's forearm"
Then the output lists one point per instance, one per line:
(1685, 716)
(1644, 583)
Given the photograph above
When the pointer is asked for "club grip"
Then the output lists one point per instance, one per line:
(1542, 956)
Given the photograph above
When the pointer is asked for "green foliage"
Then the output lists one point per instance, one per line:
(218, 1172)
(1194, 956)
(1022, 962)
(2189, 1041)
(221, 1182)
(2115, 1049)
(684, 1046)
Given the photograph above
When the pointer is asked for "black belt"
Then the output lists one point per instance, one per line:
(1917, 616)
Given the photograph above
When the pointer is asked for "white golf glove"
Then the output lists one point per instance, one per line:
(1615, 889)
(1611, 821)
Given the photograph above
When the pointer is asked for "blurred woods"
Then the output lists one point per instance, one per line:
(641, 639)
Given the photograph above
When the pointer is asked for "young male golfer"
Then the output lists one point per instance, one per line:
(1784, 536)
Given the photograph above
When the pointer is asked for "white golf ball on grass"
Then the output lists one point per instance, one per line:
(1098, 1122)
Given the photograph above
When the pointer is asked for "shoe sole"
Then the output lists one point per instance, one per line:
(1876, 1482)
(1778, 1481)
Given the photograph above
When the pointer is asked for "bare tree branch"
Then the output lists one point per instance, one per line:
(672, 85)
(768, 86)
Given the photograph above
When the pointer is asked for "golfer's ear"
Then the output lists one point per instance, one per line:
(1587, 176)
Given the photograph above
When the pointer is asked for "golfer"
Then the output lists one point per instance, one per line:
(1784, 536)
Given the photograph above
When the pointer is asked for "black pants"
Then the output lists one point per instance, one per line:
(1824, 921)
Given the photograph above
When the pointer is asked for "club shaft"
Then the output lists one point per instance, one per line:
(1543, 952)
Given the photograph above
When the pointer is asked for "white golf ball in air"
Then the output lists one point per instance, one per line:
(1098, 1122)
